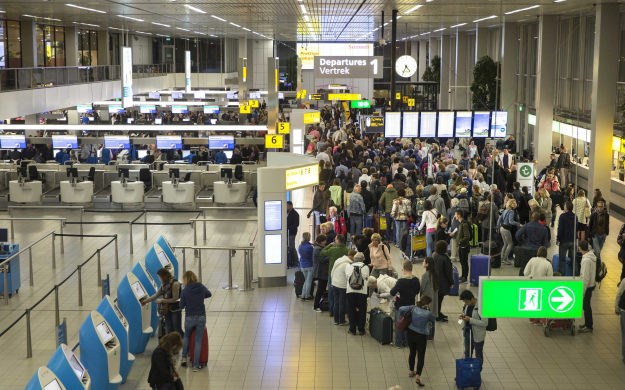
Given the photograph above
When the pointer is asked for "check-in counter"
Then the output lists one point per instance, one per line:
(81, 192)
(45, 379)
(178, 193)
(128, 193)
(233, 193)
(26, 192)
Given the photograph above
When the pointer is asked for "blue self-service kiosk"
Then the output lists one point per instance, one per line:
(99, 352)
(164, 244)
(130, 293)
(44, 379)
(69, 369)
(155, 259)
(114, 316)
(150, 287)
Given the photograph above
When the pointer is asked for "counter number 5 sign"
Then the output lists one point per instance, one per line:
(273, 141)
(284, 127)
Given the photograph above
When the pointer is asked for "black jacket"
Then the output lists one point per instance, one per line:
(292, 222)
(445, 273)
(407, 289)
(368, 198)
(593, 224)
(162, 368)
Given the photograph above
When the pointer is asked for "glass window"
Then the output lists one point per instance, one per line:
(14, 48)
(87, 48)
(3, 54)
(50, 45)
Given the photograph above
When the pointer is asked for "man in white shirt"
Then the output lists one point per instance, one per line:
(339, 288)
(539, 266)
(325, 156)
(587, 274)
(365, 176)
(357, 274)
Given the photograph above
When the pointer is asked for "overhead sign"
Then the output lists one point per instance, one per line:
(525, 175)
(347, 67)
(244, 108)
(307, 51)
(284, 128)
(274, 141)
(301, 94)
(127, 77)
(516, 297)
(374, 124)
(302, 177)
(361, 104)
(344, 96)
(316, 96)
(411, 102)
(312, 117)
(397, 95)
(254, 103)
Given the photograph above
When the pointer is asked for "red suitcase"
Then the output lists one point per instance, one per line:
(203, 352)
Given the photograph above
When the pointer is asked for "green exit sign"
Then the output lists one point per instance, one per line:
(361, 104)
(514, 297)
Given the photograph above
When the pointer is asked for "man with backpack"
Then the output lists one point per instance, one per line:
(599, 227)
(357, 274)
(588, 274)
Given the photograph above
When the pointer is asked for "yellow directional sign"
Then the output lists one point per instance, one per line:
(244, 108)
(411, 103)
(254, 103)
(397, 95)
(312, 117)
(405, 99)
(284, 128)
(273, 141)
(301, 94)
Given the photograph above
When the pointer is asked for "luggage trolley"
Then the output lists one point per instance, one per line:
(417, 244)
(563, 324)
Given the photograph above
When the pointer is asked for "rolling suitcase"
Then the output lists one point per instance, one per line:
(479, 266)
(455, 290)
(381, 326)
(203, 352)
(298, 283)
(474, 236)
(468, 373)
(555, 262)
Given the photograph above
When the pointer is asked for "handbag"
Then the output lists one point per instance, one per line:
(404, 320)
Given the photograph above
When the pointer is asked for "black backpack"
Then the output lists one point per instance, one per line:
(601, 271)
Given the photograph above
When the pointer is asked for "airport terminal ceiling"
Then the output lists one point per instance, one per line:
(284, 20)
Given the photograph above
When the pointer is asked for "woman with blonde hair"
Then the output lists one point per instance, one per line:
(544, 204)
(582, 210)
(192, 301)
(381, 261)
(508, 223)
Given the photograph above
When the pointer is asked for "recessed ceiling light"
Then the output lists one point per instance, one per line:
(41, 17)
(160, 24)
(182, 29)
(457, 25)
(486, 18)
(416, 7)
(162, 35)
(131, 18)
(559, 1)
(211, 35)
(234, 24)
(303, 8)
(85, 8)
(425, 33)
(192, 8)
(218, 18)
(385, 24)
(201, 33)
(522, 9)
(118, 29)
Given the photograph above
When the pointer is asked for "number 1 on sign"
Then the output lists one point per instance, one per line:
(374, 63)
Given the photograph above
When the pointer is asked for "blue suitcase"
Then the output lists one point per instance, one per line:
(455, 290)
(468, 373)
(568, 268)
(479, 266)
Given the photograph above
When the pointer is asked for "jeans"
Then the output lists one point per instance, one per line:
(357, 311)
(389, 227)
(597, 244)
(429, 243)
(330, 295)
(191, 323)
(454, 249)
(417, 343)
(173, 322)
(468, 337)
(321, 288)
(586, 306)
(479, 352)
(400, 335)
(355, 224)
(400, 229)
(463, 253)
(340, 303)
(508, 244)
(308, 275)
(565, 250)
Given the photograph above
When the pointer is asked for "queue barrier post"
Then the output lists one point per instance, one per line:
(29, 342)
(79, 271)
(116, 252)
(99, 268)
(30, 266)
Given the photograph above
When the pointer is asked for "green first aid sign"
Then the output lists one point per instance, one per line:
(360, 104)
(509, 297)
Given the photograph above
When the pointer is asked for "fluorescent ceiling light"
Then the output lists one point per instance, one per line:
(235, 25)
(398, 16)
(376, 29)
(41, 17)
(162, 35)
(559, 1)
(303, 8)
(131, 18)
(118, 29)
(160, 24)
(416, 7)
(522, 9)
(440, 29)
(307, 18)
(486, 18)
(2, 12)
(201, 33)
(85, 8)
(211, 35)
(425, 33)
(141, 32)
(385, 24)
(192, 8)
(182, 29)
(457, 25)
(218, 18)
(87, 24)
(246, 29)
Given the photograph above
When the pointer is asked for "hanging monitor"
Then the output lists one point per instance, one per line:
(463, 124)
(64, 142)
(168, 142)
(221, 142)
(116, 142)
(498, 124)
(179, 109)
(12, 141)
(481, 124)
(446, 124)
(211, 109)
(392, 125)
(84, 109)
(427, 125)
(147, 109)
(410, 125)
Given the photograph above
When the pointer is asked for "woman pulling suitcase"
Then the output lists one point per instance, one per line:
(421, 324)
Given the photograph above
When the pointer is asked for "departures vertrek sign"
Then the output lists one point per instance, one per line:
(338, 67)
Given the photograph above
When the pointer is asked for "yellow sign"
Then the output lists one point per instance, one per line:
(344, 96)
(405, 99)
(254, 103)
(312, 117)
(244, 73)
(273, 141)
(301, 94)
(276, 79)
(411, 103)
(302, 177)
(346, 110)
(244, 108)
(284, 128)
(316, 96)
(397, 95)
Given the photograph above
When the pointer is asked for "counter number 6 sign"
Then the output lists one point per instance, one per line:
(273, 141)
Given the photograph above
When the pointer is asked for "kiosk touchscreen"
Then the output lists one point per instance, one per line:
(69, 369)
(100, 352)
(164, 244)
(155, 259)
(150, 287)
(44, 379)
(113, 315)
(130, 294)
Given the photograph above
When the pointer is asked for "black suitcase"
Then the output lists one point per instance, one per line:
(298, 283)
(323, 302)
(495, 253)
(521, 256)
(381, 326)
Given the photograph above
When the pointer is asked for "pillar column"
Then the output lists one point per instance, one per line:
(446, 57)
(461, 88)
(434, 48)
(604, 77)
(103, 48)
(508, 90)
(481, 42)
(29, 44)
(423, 58)
(545, 83)
(414, 53)
(71, 46)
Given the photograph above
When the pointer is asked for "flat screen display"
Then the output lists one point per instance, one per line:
(12, 141)
(481, 124)
(116, 142)
(221, 142)
(228, 154)
(158, 121)
(446, 124)
(273, 215)
(117, 311)
(116, 110)
(84, 109)
(232, 95)
(176, 95)
(392, 125)
(463, 124)
(138, 289)
(273, 248)
(104, 331)
(142, 154)
(427, 123)
(154, 95)
(64, 142)
(77, 366)
(498, 124)
(211, 109)
(147, 109)
(168, 142)
(163, 259)
(410, 125)
(54, 385)
(199, 94)
(255, 95)
(179, 109)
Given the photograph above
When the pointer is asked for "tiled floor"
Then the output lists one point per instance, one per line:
(266, 339)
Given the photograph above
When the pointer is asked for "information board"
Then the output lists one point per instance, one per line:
(392, 125)
(274, 141)
(410, 125)
(498, 124)
(446, 124)
(168, 142)
(301, 177)
(463, 124)
(481, 124)
(116, 142)
(221, 142)
(273, 248)
(312, 117)
(12, 141)
(273, 215)
(64, 142)
(428, 125)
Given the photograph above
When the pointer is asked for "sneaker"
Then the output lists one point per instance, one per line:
(336, 323)
(318, 310)
(196, 369)
(585, 329)
(343, 324)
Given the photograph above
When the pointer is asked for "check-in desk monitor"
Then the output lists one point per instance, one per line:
(69, 369)
(166, 247)
(155, 259)
(45, 379)
(119, 324)
(130, 293)
(100, 352)
(54, 385)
